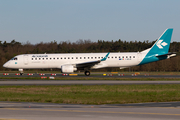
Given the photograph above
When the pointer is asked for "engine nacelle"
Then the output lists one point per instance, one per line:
(67, 69)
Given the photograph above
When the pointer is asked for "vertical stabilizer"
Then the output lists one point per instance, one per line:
(160, 48)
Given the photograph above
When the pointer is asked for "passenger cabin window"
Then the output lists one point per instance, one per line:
(43, 58)
(57, 58)
(133, 56)
(72, 57)
(129, 56)
(35, 58)
(46, 58)
(91, 57)
(76, 57)
(84, 57)
(32, 58)
(115, 57)
(39, 58)
(54, 58)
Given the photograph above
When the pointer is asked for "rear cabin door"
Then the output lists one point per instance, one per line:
(139, 57)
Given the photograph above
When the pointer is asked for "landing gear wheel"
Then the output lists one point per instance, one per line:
(21, 71)
(87, 73)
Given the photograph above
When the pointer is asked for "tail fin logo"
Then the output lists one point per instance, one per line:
(160, 44)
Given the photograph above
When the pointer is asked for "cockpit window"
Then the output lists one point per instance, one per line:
(15, 58)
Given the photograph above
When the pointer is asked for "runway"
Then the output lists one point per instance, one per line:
(47, 111)
(92, 75)
(80, 82)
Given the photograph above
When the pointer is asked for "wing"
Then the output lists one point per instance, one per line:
(91, 63)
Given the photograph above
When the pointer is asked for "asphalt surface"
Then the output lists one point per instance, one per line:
(92, 75)
(50, 111)
(45, 111)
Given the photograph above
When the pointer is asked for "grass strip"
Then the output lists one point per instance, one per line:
(94, 94)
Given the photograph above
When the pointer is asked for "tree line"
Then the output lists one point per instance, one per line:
(13, 48)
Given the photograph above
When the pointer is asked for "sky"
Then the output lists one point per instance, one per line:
(38, 21)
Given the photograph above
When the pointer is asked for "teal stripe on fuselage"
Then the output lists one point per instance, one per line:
(152, 58)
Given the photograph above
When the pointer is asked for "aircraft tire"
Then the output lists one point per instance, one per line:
(87, 73)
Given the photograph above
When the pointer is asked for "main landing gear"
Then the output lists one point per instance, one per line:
(21, 71)
(87, 73)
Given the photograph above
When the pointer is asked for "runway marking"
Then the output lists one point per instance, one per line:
(80, 111)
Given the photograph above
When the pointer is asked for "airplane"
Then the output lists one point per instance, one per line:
(71, 62)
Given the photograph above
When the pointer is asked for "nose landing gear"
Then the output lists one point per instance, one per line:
(21, 71)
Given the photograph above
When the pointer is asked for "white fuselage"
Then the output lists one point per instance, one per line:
(43, 61)
(71, 62)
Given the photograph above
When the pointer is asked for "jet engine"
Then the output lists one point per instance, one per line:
(68, 69)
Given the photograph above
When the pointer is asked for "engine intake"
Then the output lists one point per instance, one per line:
(67, 69)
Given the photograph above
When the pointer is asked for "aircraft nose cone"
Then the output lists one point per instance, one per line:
(6, 64)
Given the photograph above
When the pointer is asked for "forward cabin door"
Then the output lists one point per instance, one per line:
(25, 59)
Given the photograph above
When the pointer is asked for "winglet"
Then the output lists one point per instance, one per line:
(103, 59)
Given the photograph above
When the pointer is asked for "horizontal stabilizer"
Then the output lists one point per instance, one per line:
(168, 54)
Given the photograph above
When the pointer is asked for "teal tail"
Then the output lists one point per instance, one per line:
(161, 46)
(159, 50)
